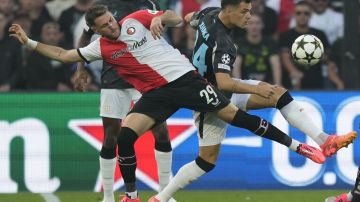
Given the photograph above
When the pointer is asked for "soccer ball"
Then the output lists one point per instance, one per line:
(307, 50)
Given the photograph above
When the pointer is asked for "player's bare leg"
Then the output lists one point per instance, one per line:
(108, 156)
(297, 117)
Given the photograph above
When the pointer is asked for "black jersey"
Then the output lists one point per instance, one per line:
(120, 8)
(214, 50)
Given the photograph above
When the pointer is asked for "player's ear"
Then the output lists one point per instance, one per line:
(93, 28)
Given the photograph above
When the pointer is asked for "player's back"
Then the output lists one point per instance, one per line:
(214, 49)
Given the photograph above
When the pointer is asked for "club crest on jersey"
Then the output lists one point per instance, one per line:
(225, 59)
(131, 30)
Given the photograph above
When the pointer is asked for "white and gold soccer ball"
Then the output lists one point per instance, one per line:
(307, 50)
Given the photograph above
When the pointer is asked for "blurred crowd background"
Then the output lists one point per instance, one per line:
(263, 47)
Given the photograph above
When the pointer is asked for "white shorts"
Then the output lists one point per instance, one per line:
(214, 129)
(116, 103)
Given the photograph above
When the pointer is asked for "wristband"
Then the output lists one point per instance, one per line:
(31, 43)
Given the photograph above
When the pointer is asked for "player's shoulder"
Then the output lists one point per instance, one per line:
(221, 35)
(208, 15)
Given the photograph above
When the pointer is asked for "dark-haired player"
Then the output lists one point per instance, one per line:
(115, 100)
(213, 56)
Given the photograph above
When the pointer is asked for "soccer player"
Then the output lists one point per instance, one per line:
(167, 80)
(115, 101)
(214, 56)
(352, 196)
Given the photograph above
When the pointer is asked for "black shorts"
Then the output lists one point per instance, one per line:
(190, 91)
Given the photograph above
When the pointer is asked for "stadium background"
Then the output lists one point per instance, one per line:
(49, 142)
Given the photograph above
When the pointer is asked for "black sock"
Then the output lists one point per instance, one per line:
(284, 100)
(163, 146)
(260, 127)
(107, 153)
(204, 165)
(356, 191)
(127, 158)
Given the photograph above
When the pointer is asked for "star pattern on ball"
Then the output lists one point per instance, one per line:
(301, 44)
(309, 57)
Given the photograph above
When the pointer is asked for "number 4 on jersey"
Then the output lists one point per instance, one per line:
(199, 59)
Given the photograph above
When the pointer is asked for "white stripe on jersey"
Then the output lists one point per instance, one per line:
(158, 54)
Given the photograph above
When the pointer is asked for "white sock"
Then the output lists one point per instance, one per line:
(186, 174)
(132, 195)
(107, 169)
(164, 163)
(298, 118)
(294, 145)
(349, 196)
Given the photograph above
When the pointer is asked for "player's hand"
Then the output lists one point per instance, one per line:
(188, 17)
(17, 32)
(265, 90)
(80, 78)
(156, 27)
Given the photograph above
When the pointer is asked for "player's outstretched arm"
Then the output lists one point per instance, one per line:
(53, 52)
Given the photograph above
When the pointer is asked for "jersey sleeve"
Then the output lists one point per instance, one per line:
(223, 58)
(91, 52)
(143, 16)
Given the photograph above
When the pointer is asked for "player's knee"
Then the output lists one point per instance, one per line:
(204, 165)
(126, 140)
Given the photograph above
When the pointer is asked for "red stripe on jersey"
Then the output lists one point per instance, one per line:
(143, 16)
(141, 76)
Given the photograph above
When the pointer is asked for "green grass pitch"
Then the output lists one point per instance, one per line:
(189, 196)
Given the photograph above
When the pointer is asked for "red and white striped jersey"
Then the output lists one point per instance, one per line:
(139, 59)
